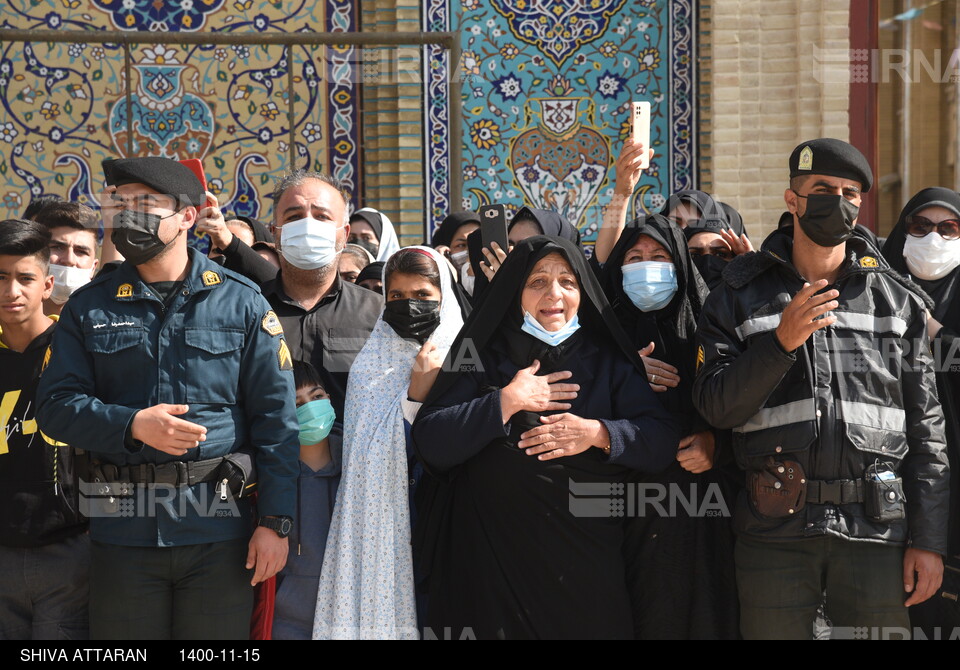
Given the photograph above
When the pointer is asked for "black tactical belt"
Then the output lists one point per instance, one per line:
(176, 473)
(837, 492)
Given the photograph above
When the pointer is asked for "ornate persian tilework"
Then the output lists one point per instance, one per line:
(547, 93)
(436, 131)
(342, 92)
(63, 107)
(546, 97)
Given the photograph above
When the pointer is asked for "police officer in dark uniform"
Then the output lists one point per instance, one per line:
(816, 354)
(174, 375)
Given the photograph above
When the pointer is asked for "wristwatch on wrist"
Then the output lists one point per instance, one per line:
(281, 525)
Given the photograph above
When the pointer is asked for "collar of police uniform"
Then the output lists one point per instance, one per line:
(777, 249)
(203, 275)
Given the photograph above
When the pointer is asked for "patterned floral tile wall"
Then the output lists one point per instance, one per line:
(547, 90)
(547, 100)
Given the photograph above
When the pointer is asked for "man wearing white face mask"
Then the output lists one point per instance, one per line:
(326, 321)
(73, 249)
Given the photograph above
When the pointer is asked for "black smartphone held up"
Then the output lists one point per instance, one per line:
(493, 226)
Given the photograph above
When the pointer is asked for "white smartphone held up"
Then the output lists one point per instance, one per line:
(640, 125)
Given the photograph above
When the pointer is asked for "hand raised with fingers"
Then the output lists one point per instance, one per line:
(806, 313)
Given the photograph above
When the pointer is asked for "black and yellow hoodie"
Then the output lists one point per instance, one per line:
(38, 484)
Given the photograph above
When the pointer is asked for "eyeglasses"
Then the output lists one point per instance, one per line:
(719, 252)
(920, 226)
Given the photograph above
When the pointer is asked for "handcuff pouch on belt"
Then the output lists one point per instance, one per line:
(778, 489)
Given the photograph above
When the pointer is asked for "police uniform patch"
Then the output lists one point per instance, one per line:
(125, 290)
(700, 357)
(210, 278)
(806, 159)
(283, 356)
(271, 324)
(869, 262)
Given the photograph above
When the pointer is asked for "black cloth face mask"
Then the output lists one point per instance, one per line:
(371, 247)
(413, 319)
(137, 235)
(829, 219)
(710, 268)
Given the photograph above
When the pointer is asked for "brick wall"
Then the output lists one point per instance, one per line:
(763, 90)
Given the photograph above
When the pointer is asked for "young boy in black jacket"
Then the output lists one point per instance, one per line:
(44, 550)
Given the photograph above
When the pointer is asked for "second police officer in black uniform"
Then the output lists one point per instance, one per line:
(816, 354)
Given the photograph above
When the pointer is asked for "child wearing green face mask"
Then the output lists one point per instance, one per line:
(320, 451)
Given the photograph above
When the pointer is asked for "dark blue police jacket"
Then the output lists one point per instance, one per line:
(216, 347)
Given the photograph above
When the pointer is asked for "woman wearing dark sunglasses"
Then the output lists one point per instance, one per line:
(925, 245)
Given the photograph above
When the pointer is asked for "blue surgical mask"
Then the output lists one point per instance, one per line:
(532, 327)
(650, 285)
(309, 244)
(316, 419)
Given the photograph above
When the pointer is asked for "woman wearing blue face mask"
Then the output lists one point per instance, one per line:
(320, 450)
(656, 294)
(367, 584)
(540, 400)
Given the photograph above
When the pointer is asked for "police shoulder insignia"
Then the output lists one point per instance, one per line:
(869, 262)
(271, 324)
(210, 278)
(806, 159)
(125, 290)
(283, 356)
(700, 357)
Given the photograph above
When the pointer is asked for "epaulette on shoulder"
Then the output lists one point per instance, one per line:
(744, 268)
(237, 277)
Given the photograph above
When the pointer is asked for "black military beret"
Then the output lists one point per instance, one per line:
(832, 157)
(163, 175)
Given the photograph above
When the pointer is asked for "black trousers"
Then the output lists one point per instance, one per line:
(193, 592)
(781, 585)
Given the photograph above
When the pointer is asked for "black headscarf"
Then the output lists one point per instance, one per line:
(705, 204)
(734, 219)
(710, 267)
(673, 328)
(443, 235)
(260, 232)
(552, 224)
(944, 290)
(372, 217)
(372, 271)
(499, 315)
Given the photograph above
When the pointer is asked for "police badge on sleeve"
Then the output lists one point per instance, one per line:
(271, 324)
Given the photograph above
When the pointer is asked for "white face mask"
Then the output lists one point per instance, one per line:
(459, 259)
(309, 244)
(467, 281)
(66, 280)
(931, 257)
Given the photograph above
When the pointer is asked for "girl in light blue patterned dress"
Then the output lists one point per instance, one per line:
(366, 585)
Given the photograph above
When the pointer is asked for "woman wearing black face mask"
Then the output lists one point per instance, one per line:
(366, 586)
